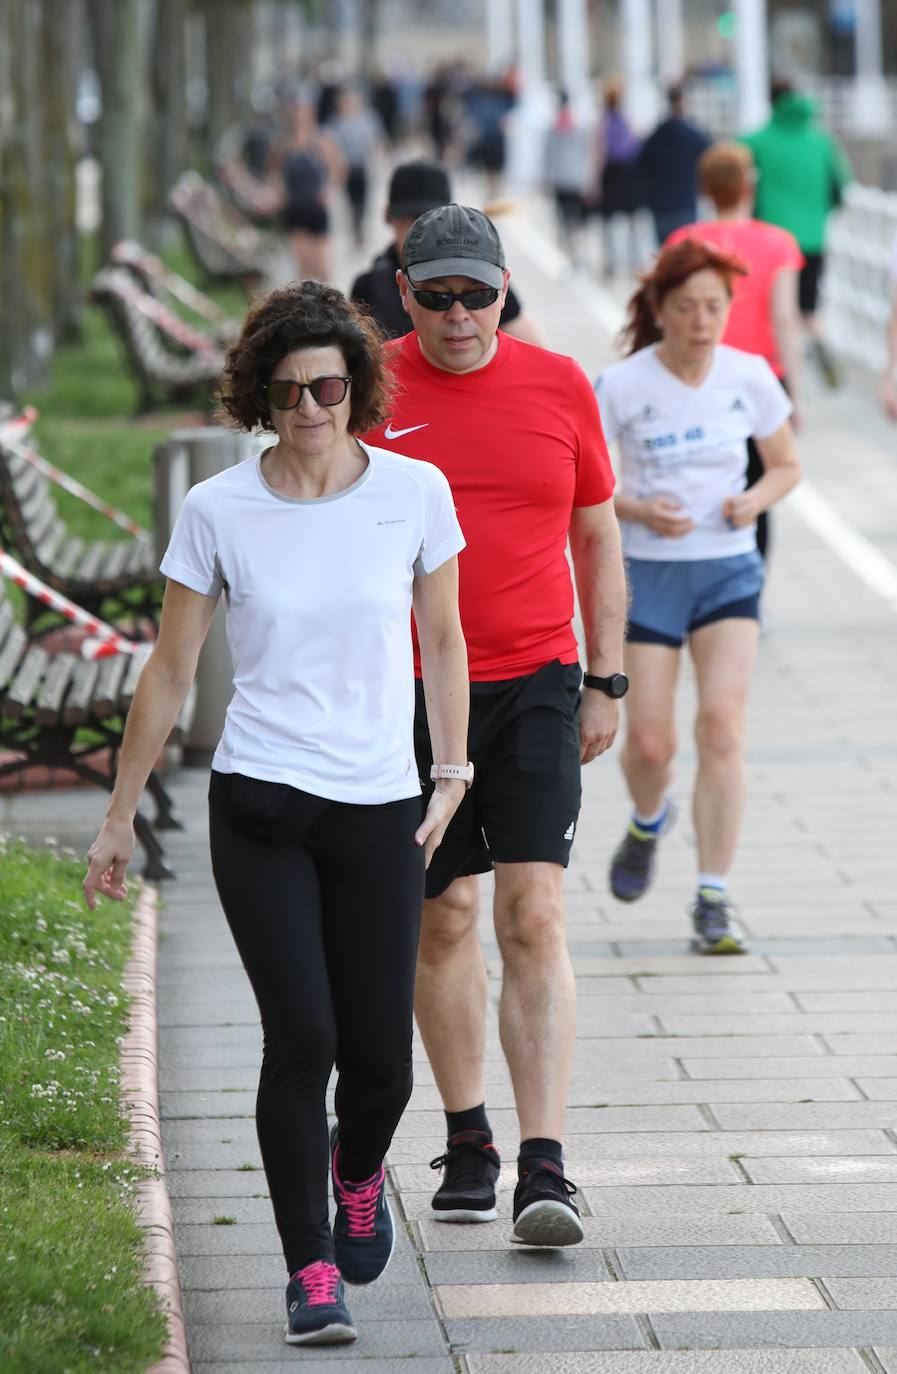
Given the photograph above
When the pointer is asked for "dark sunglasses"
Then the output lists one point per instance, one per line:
(478, 299)
(326, 391)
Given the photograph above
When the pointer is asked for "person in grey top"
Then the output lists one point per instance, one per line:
(359, 134)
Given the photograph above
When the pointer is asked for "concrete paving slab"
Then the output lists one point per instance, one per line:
(580, 1299)
(514, 1335)
(846, 1169)
(224, 1342)
(677, 1362)
(859, 1197)
(609, 1230)
(767, 1261)
(680, 1330)
(404, 1295)
(866, 1294)
(331, 1361)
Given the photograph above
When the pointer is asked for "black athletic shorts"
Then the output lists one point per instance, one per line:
(808, 283)
(524, 802)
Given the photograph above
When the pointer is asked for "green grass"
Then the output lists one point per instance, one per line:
(72, 1296)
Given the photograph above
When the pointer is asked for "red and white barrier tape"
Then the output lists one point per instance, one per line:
(103, 640)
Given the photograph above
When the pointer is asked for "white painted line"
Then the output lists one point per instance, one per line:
(855, 551)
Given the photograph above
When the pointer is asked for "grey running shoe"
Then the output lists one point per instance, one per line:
(715, 931)
(632, 866)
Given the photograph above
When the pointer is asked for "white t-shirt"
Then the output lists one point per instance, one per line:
(319, 619)
(689, 443)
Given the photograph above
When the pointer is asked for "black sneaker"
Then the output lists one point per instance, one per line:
(632, 866)
(544, 1213)
(467, 1190)
(316, 1307)
(715, 931)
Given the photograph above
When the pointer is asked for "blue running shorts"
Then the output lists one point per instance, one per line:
(670, 599)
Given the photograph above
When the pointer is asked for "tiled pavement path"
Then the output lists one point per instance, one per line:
(733, 1124)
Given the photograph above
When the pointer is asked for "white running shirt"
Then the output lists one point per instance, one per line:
(319, 619)
(689, 443)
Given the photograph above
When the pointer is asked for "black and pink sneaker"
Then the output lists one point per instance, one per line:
(363, 1231)
(316, 1307)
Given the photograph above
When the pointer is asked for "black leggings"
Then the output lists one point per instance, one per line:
(323, 900)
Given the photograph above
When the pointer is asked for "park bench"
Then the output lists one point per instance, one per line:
(171, 360)
(157, 279)
(61, 711)
(226, 246)
(259, 200)
(118, 576)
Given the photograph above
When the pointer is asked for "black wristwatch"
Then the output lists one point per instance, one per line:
(617, 685)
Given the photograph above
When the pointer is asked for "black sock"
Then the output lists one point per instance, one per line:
(540, 1147)
(474, 1119)
(356, 1168)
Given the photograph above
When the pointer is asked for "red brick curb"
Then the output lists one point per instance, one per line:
(140, 1092)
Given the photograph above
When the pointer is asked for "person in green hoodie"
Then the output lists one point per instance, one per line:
(801, 175)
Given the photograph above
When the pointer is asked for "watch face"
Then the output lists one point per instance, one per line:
(619, 685)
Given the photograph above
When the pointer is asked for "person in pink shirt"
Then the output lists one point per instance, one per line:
(765, 317)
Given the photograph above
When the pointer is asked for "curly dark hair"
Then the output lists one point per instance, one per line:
(306, 314)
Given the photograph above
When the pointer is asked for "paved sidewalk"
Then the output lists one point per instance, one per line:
(733, 1123)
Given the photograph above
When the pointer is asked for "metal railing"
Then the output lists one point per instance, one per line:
(858, 285)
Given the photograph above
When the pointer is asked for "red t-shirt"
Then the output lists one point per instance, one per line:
(521, 444)
(766, 250)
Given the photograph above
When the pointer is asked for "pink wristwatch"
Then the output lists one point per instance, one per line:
(462, 772)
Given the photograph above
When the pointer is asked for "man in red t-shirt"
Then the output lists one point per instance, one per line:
(764, 317)
(516, 431)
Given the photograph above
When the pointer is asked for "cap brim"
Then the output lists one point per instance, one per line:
(486, 272)
(412, 209)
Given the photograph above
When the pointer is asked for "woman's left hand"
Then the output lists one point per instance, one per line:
(740, 510)
(447, 797)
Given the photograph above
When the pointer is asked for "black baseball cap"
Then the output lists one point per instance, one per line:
(454, 241)
(416, 187)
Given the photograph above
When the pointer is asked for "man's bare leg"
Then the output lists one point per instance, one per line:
(537, 1014)
(450, 995)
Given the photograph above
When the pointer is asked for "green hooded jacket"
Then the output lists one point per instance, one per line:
(801, 171)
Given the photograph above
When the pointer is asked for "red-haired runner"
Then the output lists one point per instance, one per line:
(681, 408)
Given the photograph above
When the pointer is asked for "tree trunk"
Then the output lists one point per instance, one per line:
(58, 181)
(115, 26)
(168, 150)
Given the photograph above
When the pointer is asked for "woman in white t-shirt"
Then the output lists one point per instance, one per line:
(321, 546)
(682, 407)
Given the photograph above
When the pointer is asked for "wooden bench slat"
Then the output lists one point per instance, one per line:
(112, 564)
(132, 676)
(105, 696)
(24, 685)
(141, 561)
(46, 550)
(89, 564)
(27, 482)
(59, 674)
(7, 620)
(77, 702)
(12, 651)
(36, 527)
(67, 557)
(32, 511)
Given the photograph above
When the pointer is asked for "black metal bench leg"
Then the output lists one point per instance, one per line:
(165, 818)
(156, 870)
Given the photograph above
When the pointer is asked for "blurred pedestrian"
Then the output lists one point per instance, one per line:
(801, 176)
(385, 104)
(569, 173)
(668, 162)
(764, 317)
(359, 135)
(414, 188)
(488, 104)
(682, 407)
(310, 161)
(619, 179)
(889, 380)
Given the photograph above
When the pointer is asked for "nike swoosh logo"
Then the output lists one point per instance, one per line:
(390, 433)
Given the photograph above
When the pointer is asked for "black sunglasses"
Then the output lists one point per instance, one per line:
(478, 299)
(326, 391)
